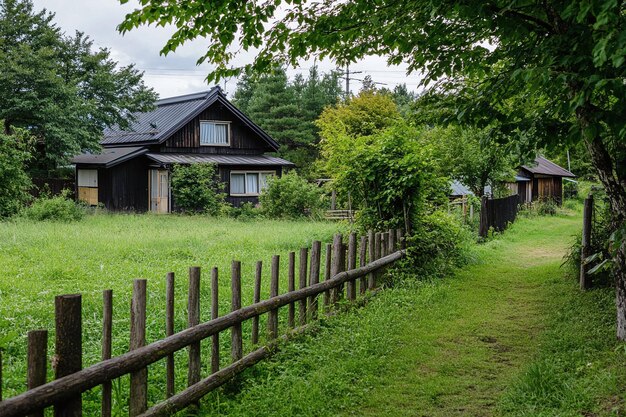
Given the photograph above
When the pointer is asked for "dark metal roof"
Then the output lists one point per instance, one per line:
(170, 115)
(194, 158)
(109, 156)
(546, 167)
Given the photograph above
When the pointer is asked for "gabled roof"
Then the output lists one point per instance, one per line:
(110, 156)
(170, 115)
(546, 167)
(197, 158)
(459, 189)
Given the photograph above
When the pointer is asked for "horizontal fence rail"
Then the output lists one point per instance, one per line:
(64, 393)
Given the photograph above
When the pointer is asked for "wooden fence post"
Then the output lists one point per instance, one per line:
(314, 275)
(169, 330)
(327, 272)
(304, 257)
(351, 285)
(236, 348)
(256, 299)
(193, 319)
(138, 402)
(107, 332)
(378, 247)
(337, 265)
(363, 262)
(215, 311)
(371, 241)
(37, 359)
(392, 241)
(272, 321)
(585, 279)
(69, 350)
(400, 238)
(291, 286)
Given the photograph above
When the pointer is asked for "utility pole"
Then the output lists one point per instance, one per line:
(347, 81)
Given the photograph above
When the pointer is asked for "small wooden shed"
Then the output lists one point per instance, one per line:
(542, 180)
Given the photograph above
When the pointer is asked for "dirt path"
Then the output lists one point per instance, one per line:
(458, 354)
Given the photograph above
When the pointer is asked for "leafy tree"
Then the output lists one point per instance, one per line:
(14, 182)
(58, 88)
(551, 71)
(196, 189)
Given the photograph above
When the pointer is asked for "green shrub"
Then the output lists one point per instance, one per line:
(196, 189)
(59, 208)
(546, 207)
(438, 244)
(246, 211)
(291, 197)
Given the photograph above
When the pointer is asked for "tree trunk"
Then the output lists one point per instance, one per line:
(616, 193)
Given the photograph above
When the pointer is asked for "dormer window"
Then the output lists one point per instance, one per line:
(214, 133)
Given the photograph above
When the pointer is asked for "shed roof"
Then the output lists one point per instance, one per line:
(194, 158)
(170, 115)
(546, 167)
(459, 189)
(109, 156)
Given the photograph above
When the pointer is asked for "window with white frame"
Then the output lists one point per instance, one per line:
(214, 133)
(249, 182)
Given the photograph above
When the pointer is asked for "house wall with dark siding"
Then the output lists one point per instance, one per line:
(124, 187)
(242, 139)
(224, 176)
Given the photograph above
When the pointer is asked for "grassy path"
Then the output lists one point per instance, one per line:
(458, 357)
(509, 334)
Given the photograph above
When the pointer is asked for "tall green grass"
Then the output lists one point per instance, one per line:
(40, 260)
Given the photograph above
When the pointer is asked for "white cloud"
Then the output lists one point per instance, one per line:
(178, 73)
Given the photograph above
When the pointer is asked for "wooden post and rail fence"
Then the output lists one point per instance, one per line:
(374, 253)
(497, 213)
(585, 244)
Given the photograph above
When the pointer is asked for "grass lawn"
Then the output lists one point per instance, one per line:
(509, 334)
(42, 260)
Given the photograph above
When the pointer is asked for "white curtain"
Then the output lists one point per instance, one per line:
(238, 183)
(213, 133)
(252, 183)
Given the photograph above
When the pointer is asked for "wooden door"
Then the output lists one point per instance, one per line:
(159, 191)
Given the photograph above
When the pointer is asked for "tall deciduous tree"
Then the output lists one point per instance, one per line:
(58, 88)
(566, 57)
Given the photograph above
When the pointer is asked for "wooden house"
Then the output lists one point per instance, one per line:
(133, 170)
(542, 180)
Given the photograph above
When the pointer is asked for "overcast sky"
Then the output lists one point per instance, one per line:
(178, 73)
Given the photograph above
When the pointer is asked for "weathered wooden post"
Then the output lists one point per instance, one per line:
(377, 255)
(392, 241)
(585, 279)
(138, 401)
(291, 286)
(351, 285)
(304, 258)
(256, 299)
(337, 264)
(193, 319)
(107, 332)
(236, 346)
(37, 359)
(272, 322)
(363, 262)
(314, 275)
(215, 307)
(69, 349)
(327, 272)
(169, 330)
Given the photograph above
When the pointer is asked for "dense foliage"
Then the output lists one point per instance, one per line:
(14, 182)
(58, 88)
(196, 189)
(287, 109)
(291, 197)
(61, 208)
(376, 161)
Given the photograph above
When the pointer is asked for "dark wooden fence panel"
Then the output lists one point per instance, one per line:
(497, 213)
(54, 186)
